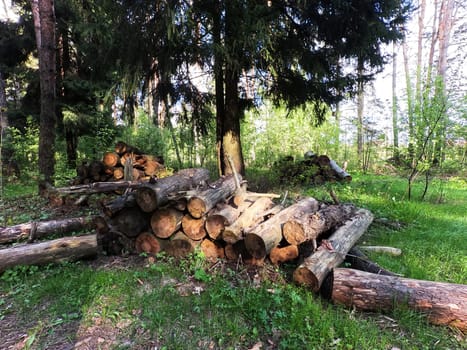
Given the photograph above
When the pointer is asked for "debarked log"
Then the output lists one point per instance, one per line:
(98, 187)
(268, 234)
(151, 196)
(319, 264)
(341, 173)
(40, 229)
(58, 250)
(443, 303)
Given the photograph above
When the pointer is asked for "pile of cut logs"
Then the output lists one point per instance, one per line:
(184, 212)
(124, 163)
(313, 169)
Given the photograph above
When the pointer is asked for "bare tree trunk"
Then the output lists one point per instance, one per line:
(44, 24)
(360, 107)
(395, 124)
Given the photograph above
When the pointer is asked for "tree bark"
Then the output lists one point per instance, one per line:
(35, 230)
(308, 227)
(340, 173)
(249, 218)
(204, 201)
(318, 265)
(269, 234)
(114, 206)
(443, 303)
(44, 24)
(152, 196)
(58, 250)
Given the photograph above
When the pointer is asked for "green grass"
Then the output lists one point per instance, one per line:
(148, 305)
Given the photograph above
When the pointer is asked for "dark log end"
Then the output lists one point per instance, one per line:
(304, 276)
(255, 246)
(146, 199)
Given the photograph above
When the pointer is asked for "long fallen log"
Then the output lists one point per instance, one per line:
(58, 250)
(341, 173)
(151, 196)
(319, 264)
(359, 261)
(40, 229)
(268, 234)
(443, 303)
(98, 187)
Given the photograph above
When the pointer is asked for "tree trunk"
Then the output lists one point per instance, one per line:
(44, 24)
(58, 250)
(204, 201)
(360, 108)
(35, 230)
(443, 303)
(166, 221)
(317, 266)
(155, 195)
(249, 218)
(395, 123)
(309, 226)
(268, 235)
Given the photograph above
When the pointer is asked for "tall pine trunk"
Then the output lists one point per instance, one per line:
(44, 25)
(395, 124)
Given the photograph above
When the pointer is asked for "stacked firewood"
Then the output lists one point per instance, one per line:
(312, 169)
(125, 162)
(181, 213)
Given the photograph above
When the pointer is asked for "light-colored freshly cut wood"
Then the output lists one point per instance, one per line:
(110, 159)
(442, 303)
(382, 249)
(193, 228)
(203, 201)
(212, 250)
(318, 265)
(249, 218)
(268, 235)
(166, 221)
(280, 255)
(57, 250)
(219, 217)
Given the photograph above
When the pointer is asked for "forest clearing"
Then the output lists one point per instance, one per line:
(233, 174)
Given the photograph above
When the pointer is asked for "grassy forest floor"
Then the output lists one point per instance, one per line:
(137, 303)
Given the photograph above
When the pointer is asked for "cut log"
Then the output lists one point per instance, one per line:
(110, 159)
(380, 249)
(212, 250)
(238, 252)
(147, 243)
(118, 173)
(316, 267)
(114, 206)
(130, 221)
(359, 261)
(166, 221)
(218, 218)
(204, 201)
(269, 234)
(180, 245)
(152, 196)
(340, 173)
(250, 217)
(443, 303)
(99, 187)
(193, 228)
(58, 250)
(35, 230)
(310, 226)
(280, 255)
